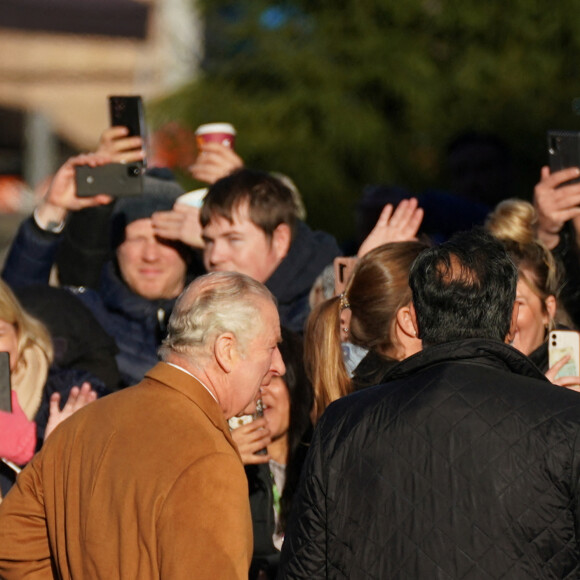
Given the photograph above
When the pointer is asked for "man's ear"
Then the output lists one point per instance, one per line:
(513, 323)
(281, 240)
(225, 351)
(413, 316)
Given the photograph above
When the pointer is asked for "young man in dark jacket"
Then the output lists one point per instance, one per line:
(250, 225)
(466, 464)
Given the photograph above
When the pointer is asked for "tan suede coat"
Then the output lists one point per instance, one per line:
(142, 484)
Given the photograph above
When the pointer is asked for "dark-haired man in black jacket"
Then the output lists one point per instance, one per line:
(465, 464)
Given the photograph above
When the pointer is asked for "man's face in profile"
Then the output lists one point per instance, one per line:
(258, 361)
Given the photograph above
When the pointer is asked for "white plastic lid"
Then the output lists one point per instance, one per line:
(193, 198)
(215, 128)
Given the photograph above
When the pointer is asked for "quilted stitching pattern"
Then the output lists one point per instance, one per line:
(457, 470)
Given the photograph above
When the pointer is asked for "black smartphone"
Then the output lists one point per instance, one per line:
(5, 386)
(128, 111)
(115, 179)
(564, 151)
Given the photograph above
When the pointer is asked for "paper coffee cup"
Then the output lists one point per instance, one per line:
(193, 198)
(223, 133)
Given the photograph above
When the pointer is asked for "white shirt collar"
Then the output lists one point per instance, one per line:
(192, 375)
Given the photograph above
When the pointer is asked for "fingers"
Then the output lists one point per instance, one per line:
(115, 143)
(556, 368)
(250, 439)
(168, 224)
(79, 398)
(399, 226)
(181, 223)
(557, 178)
(54, 403)
(385, 216)
(572, 383)
(556, 203)
(215, 161)
(407, 219)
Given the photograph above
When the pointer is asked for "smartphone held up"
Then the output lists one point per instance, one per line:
(564, 343)
(563, 151)
(117, 179)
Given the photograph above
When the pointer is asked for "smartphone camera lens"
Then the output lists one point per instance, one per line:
(133, 170)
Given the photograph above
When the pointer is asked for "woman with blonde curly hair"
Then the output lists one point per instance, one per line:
(540, 281)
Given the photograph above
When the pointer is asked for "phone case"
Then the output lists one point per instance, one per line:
(562, 343)
(116, 179)
(564, 151)
(128, 111)
(5, 388)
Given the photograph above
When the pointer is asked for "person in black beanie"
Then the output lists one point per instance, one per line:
(137, 288)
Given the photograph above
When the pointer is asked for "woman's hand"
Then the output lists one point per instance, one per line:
(401, 225)
(572, 383)
(77, 399)
(250, 439)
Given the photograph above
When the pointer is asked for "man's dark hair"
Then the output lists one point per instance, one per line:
(270, 202)
(464, 288)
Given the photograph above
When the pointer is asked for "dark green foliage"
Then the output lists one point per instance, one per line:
(349, 92)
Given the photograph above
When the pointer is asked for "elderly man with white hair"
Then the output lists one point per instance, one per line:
(148, 483)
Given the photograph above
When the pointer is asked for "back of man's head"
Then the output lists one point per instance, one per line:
(211, 305)
(270, 202)
(464, 288)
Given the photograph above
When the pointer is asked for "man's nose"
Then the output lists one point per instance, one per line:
(151, 250)
(216, 254)
(278, 367)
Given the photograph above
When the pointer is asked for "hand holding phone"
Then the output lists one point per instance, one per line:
(114, 179)
(129, 112)
(564, 344)
(564, 151)
(115, 143)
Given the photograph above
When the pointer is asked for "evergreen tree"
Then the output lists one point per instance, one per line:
(338, 94)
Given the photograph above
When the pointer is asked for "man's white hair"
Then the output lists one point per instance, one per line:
(212, 305)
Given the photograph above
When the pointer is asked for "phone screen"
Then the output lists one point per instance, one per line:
(5, 388)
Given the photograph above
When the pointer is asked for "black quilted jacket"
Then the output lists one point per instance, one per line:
(464, 465)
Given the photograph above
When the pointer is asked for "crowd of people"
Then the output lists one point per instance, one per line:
(392, 414)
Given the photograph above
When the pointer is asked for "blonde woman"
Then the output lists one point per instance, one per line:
(37, 387)
(540, 281)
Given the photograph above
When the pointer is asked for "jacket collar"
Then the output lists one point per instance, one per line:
(471, 350)
(309, 253)
(192, 389)
(117, 296)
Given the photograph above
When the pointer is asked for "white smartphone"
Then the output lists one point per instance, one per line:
(560, 344)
